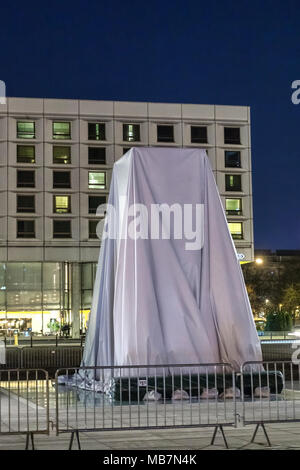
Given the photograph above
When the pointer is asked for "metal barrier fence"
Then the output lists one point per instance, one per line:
(24, 403)
(43, 357)
(145, 397)
(270, 394)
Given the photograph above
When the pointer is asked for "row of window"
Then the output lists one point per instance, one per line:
(98, 180)
(61, 155)
(97, 155)
(62, 229)
(61, 179)
(62, 204)
(131, 132)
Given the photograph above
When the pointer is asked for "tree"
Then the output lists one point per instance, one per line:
(291, 298)
(278, 321)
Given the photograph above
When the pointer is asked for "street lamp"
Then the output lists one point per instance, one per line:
(259, 261)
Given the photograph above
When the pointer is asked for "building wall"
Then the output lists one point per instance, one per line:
(44, 248)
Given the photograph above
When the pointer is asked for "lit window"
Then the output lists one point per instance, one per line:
(61, 204)
(232, 159)
(25, 130)
(62, 130)
(233, 206)
(96, 131)
(165, 133)
(97, 180)
(62, 155)
(232, 135)
(233, 182)
(131, 132)
(25, 153)
(236, 230)
(199, 134)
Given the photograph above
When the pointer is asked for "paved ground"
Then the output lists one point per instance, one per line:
(282, 436)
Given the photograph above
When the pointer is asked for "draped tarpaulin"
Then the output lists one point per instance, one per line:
(155, 301)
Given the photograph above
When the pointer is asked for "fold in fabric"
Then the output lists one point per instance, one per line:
(154, 301)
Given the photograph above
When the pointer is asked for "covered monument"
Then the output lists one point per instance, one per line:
(168, 300)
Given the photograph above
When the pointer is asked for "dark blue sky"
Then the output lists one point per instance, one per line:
(216, 52)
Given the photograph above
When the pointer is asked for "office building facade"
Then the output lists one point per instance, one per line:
(56, 161)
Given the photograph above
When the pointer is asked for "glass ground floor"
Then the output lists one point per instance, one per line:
(45, 298)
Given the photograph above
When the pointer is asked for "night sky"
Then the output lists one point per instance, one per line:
(213, 52)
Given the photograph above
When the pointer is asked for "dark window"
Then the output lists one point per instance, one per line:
(131, 132)
(233, 182)
(125, 150)
(62, 130)
(165, 133)
(95, 202)
(92, 228)
(233, 206)
(61, 179)
(199, 134)
(62, 155)
(96, 131)
(25, 229)
(61, 204)
(97, 155)
(25, 203)
(25, 130)
(25, 153)
(25, 179)
(232, 159)
(62, 229)
(232, 135)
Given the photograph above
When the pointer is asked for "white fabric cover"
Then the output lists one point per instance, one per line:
(154, 302)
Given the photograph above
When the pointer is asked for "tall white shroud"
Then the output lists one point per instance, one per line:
(154, 301)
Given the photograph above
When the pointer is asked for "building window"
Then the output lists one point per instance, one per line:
(131, 132)
(61, 130)
(62, 229)
(97, 180)
(232, 159)
(25, 153)
(25, 203)
(25, 229)
(96, 131)
(95, 202)
(232, 135)
(97, 155)
(125, 150)
(62, 155)
(61, 179)
(236, 230)
(233, 206)
(61, 204)
(25, 130)
(93, 228)
(199, 134)
(233, 182)
(25, 179)
(165, 133)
